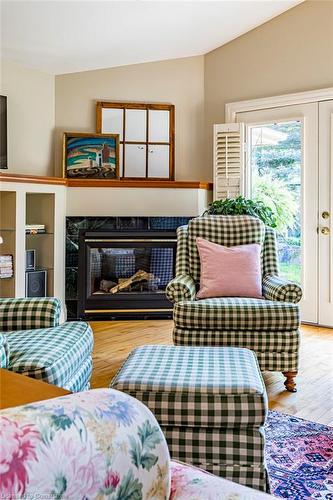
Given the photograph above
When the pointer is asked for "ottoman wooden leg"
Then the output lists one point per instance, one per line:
(290, 383)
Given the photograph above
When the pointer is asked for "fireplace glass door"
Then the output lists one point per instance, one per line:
(126, 273)
(130, 270)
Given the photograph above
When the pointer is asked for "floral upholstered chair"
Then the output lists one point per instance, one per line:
(100, 444)
(34, 343)
(268, 326)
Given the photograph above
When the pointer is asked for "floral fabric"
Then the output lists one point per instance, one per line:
(190, 483)
(91, 445)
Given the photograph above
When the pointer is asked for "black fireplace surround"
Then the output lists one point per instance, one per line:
(118, 267)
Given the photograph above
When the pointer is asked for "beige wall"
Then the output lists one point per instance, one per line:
(31, 119)
(177, 81)
(291, 53)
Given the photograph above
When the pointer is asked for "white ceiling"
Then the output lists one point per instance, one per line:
(69, 36)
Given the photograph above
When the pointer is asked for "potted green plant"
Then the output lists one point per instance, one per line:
(243, 206)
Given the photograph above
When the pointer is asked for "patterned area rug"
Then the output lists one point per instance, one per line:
(299, 457)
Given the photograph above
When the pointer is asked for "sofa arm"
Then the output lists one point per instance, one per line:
(29, 313)
(181, 288)
(277, 288)
(95, 444)
(4, 351)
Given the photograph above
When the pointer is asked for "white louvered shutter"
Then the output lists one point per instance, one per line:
(228, 160)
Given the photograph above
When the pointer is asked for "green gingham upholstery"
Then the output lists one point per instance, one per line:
(54, 355)
(275, 351)
(224, 447)
(210, 402)
(255, 340)
(195, 386)
(182, 287)
(279, 289)
(26, 314)
(182, 258)
(80, 381)
(236, 313)
(270, 256)
(4, 351)
(278, 361)
(269, 327)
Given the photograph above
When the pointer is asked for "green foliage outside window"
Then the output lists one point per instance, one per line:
(276, 195)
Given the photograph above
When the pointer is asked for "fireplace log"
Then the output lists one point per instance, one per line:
(138, 276)
(105, 285)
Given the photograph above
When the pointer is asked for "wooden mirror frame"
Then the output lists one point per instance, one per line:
(100, 105)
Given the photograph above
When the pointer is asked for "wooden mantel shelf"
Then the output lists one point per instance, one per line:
(32, 179)
(121, 183)
(145, 183)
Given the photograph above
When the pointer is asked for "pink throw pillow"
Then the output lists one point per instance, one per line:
(229, 271)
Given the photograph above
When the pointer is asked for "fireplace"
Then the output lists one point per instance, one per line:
(122, 273)
(119, 267)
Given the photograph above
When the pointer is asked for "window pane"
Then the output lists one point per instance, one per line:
(276, 153)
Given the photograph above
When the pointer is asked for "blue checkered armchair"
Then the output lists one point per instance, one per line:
(268, 326)
(32, 342)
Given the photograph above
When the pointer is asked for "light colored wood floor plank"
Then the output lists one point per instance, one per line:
(314, 400)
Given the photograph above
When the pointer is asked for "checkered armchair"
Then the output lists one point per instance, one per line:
(268, 326)
(34, 343)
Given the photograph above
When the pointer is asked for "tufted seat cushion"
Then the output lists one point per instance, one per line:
(59, 355)
(234, 313)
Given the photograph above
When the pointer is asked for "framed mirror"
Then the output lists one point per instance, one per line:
(146, 137)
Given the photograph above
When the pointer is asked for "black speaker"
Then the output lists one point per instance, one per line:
(30, 259)
(35, 283)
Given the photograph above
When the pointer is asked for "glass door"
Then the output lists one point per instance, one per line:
(282, 171)
(275, 178)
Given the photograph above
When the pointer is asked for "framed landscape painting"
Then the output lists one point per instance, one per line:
(90, 156)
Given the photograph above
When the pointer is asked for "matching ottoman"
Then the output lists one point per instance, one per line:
(211, 405)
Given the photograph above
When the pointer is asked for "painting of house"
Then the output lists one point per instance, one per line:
(93, 156)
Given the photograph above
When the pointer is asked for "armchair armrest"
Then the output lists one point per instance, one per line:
(277, 288)
(4, 351)
(101, 444)
(29, 313)
(181, 288)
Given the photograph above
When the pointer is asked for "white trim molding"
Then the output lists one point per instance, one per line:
(232, 108)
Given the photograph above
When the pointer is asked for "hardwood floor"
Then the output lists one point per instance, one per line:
(313, 401)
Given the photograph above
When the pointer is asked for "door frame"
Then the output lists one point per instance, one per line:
(232, 108)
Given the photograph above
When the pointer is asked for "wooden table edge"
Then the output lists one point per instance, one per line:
(18, 389)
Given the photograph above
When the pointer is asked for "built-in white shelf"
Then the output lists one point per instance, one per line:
(24, 202)
(8, 234)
